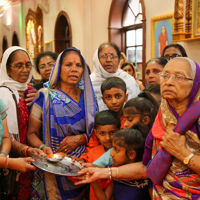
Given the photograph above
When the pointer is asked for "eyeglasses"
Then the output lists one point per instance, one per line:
(168, 57)
(21, 66)
(43, 66)
(177, 77)
(112, 56)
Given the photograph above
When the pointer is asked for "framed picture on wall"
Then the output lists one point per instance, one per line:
(196, 18)
(161, 33)
(48, 46)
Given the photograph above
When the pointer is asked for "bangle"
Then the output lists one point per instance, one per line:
(22, 154)
(86, 138)
(110, 173)
(19, 148)
(4, 153)
(43, 145)
(117, 173)
(6, 163)
(27, 151)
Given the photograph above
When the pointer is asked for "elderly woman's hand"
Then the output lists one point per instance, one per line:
(90, 174)
(174, 143)
(70, 143)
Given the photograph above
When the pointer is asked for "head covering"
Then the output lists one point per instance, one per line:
(15, 86)
(169, 115)
(100, 74)
(85, 83)
(5, 79)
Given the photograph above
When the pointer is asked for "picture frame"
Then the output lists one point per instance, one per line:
(195, 18)
(161, 33)
(48, 46)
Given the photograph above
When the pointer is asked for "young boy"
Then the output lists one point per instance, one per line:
(114, 96)
(106, 124)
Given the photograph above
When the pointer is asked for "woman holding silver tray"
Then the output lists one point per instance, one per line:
(65, 110)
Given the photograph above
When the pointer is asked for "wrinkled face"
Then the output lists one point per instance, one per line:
(20, 67)
(152, 73)
(115, 99)
(71, 69)
(129, 70)
(118, 154)
(105, 135)
(109, 59)
(172, 88)
(171, 53)
(45, 66)
(131, 119)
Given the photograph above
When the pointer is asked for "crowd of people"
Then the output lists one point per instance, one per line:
(133, 140)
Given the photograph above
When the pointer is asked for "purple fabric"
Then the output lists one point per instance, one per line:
(186, 121)
(154, 171)
(148, 149)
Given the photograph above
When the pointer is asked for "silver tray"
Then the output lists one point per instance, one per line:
(65, 167)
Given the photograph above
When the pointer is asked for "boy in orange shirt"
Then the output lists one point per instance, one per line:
(106, 124)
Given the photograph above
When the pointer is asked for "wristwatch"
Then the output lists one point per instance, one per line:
(187, 159)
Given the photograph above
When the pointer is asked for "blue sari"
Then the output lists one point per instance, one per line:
(61, 117)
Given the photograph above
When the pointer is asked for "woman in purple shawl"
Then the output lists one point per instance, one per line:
(180, 91)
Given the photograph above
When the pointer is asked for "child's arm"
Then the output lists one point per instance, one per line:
(102, 194)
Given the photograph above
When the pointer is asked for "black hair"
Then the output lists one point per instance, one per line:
(10, 58)
(144, 105)
(113, 82)
(155, 89)
(177, 46)
(125, 64)
(109, 44)
(107, 117)
(160, 61)
(43, 54)
(132, 139)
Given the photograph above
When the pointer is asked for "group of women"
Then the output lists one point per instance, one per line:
(61, 118)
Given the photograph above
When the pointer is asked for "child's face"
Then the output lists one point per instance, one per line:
(118, 154)
(115, 99)
(105, 135)
(130, 120)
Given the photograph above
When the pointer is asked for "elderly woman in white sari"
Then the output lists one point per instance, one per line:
(106, 64)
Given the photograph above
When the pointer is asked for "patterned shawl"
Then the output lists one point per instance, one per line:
(180, 182)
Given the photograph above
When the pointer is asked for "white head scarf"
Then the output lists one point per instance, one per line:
(99, 75)
(15, 86)
(5, 79)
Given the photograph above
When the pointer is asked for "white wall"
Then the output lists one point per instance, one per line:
(155, 8)
(89, 20)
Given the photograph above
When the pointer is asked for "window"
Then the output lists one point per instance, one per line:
(132, 28)
(127, 28)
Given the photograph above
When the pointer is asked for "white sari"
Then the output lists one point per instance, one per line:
(99, 75)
